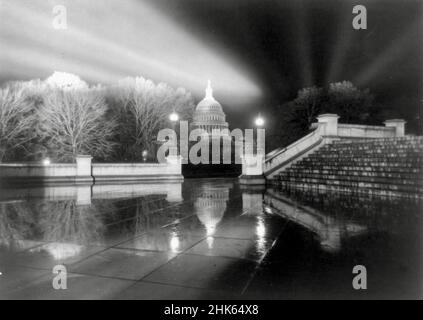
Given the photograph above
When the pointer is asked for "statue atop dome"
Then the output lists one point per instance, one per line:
(209, 90)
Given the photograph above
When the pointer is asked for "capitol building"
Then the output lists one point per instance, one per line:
(209, 115)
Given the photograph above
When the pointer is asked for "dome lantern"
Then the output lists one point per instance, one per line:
(208, 114)
(209, 90)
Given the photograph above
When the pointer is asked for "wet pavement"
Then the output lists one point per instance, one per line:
(206, 239)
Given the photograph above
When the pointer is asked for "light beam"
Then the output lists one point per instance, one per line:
(107, 40)
(389, 55)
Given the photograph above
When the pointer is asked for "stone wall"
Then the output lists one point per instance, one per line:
(83, 171)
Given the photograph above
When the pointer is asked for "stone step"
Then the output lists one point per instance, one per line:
(372, 150)
(391, 165)
(392, 140)
(350, 190)
(354, 184)
(369, 152)
(368, 167)
(400, 167)
(417, 162)
(355, 173)
(372, 146)
(339, 177)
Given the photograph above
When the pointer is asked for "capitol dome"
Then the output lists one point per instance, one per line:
(210, 205)
(208, 114)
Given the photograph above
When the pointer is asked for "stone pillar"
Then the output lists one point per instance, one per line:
(253, 165)
(252, 169)
(174, 167)
(398, 124)
(330, 122)
(174, 192)
(83, 195)
(83, 169)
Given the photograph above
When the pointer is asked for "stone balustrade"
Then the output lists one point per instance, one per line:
(326, 130)
(84, 171)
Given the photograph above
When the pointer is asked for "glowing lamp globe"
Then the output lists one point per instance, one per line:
(46, 162)
(174, 117)
(259, 121)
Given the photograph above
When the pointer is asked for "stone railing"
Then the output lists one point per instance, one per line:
(135, 171)
(326, 130)
(362, 131)
(293, 151)
(84, 171)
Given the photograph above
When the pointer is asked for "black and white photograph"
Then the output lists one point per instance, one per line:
(216, 156)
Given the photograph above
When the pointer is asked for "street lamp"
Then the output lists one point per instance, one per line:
(173, 117)
(46, 162)
(144, 155)
(259, 121)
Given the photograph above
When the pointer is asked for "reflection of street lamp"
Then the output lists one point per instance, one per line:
(259, 121)
(144, 155)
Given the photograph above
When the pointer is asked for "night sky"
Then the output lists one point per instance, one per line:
(292, 44)
(258, 53)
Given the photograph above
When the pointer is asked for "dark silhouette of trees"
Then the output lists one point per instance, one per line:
(142, 109)
(352, 104)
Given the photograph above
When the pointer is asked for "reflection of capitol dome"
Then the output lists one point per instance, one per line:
(210, 206)
(208, 114)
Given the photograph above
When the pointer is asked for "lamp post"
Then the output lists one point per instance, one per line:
(259, 122)
(174, 118)
(144, 155)
(252, 164)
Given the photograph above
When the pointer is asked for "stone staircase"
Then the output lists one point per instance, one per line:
(387, 166)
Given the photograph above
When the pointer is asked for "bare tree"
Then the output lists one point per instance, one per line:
(66, 221)
(143, 109)
(16, 120)
(76, 122)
